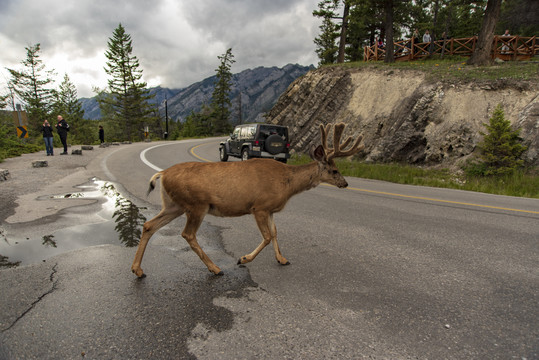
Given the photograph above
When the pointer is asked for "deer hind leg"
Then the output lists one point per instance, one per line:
(166, 215)
(194, 219)
(280, 258)
(268, 230)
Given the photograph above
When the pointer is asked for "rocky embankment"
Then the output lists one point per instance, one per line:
(403, 116)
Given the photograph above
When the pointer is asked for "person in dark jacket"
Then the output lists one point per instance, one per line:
(101, 134)
(46, 129)
(62, 127)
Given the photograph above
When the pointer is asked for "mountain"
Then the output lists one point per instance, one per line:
(258, 89)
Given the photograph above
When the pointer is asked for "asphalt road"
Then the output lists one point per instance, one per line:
(377, 270)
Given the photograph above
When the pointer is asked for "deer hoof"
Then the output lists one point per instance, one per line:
(286, 263)
(242, 260)
(220, 273)
(139, 272)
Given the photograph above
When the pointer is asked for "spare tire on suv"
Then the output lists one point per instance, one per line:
(274, 144)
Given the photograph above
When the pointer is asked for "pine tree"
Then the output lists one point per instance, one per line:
(326, 42)
(31, 86)
(481, 54)
(220, 102)
(130, 96)
(501, 147)
(68, 105)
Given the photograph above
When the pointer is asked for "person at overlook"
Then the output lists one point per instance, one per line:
(426, 37)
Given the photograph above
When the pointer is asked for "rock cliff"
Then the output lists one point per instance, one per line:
(404, 117)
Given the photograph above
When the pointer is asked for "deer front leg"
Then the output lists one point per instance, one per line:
(189, 234)
(148, 229)
(268, 230)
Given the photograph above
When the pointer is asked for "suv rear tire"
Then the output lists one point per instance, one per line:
(223, 155)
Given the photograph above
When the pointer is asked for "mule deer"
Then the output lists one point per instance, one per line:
(260, 187)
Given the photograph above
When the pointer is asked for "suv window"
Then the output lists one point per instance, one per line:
(248, 132)
(267, 130)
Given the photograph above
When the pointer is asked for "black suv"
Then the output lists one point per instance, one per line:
(256, 140)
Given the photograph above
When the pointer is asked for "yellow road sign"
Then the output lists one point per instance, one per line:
(22, 132)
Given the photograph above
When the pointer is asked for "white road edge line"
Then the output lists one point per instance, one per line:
(155, 167)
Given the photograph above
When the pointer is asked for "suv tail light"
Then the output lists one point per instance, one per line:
(287, 145)
(257, 142)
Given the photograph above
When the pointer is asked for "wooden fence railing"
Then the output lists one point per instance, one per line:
(505, 48)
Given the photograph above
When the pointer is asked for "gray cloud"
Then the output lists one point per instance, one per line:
(176, 42)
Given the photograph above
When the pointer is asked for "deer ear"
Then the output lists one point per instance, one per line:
(318, 153)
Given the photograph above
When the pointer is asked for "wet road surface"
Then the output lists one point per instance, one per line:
(378, 271)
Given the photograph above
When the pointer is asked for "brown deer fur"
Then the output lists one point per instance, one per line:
(260, 187)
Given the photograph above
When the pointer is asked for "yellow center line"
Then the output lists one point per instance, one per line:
(192, 151)
(401, 195)
(443, 201)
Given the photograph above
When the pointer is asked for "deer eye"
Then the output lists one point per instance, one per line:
(335, 172)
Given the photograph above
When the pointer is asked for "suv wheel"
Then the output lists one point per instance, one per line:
(223, 156)
(245, 154)
(274, 144)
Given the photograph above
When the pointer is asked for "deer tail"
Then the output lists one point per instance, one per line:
(152, 182)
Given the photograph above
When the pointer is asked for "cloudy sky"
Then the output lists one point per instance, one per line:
(176, 41)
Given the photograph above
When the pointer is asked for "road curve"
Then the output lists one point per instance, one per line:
(377, 270)
(408, 271)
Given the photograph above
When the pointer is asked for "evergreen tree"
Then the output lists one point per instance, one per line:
(388, 7)
(520, 17)
(130, 96)
(501, 147)
(481, 54)
(31, 86)
(220, 102)
(68, 105)
(67, 102)
(326, 42)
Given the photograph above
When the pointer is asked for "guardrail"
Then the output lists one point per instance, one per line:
(504, 47)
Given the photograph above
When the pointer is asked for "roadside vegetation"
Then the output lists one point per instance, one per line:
(454, 69)
(522, 182)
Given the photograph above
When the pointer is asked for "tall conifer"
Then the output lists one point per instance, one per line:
(129, 94)
(31, 85)
(221, 94)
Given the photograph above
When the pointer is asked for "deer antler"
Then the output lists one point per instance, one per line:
(338, 148)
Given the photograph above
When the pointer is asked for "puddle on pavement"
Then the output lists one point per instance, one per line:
(119, 222)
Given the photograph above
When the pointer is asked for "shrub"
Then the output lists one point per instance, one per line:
(11, 146)
(500, 148)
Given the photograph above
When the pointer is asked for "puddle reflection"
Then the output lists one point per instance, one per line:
(121, 224)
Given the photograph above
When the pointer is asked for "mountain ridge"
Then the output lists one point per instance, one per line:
(259, 88)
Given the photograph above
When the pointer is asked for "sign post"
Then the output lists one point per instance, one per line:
(21, 122)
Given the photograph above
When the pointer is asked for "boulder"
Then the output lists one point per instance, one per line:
(40, 163)
(4, 174)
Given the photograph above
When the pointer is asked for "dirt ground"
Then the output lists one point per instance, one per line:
(25, 184)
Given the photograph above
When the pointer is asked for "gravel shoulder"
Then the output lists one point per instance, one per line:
(20, 192)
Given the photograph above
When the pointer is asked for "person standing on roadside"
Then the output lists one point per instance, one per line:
(62, 128)
(46, 129)
(101, 134)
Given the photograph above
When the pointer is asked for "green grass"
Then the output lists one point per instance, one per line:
(455, 69)
(521, 183)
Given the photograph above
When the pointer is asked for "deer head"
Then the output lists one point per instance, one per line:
(325, 155)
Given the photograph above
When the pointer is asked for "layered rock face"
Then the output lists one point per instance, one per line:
(402, 116)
